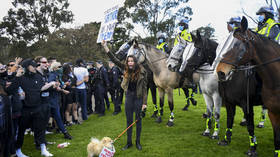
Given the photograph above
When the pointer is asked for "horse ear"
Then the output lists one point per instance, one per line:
(244, 24)
(135, 42)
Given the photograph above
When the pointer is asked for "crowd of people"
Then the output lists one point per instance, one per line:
(44, 96)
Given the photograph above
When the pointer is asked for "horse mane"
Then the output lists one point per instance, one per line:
(151, 47)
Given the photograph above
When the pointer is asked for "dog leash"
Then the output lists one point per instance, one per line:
(125, 130)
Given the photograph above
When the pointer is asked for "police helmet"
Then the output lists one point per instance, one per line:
(266, 10)
(184, 22)
(160, 35)
(234, 20)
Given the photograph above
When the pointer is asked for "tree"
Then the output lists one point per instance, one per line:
(32, 20)
(153, 15)
(206, 31)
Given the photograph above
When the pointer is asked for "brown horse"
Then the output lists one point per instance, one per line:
(164, 79)
(265, 54)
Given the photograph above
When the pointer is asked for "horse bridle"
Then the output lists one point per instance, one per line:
(142, 51)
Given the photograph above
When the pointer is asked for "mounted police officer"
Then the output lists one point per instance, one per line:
(102, 83)
(162, 45)
(267, 25)
(115, 86)
(184, 33)
(233, 23)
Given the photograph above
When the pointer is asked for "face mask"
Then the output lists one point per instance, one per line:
(232, 26)
(261, 18)
(160, 41)
(181, 28)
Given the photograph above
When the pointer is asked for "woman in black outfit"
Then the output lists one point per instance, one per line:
(135, 86)
(70, 81)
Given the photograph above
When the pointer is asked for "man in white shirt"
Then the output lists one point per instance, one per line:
(82, 77)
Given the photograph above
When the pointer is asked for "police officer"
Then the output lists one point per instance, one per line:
(162, 45)
(267, 25)
(89, 84)
(114, 78)
(233, 23)
(102, 83)
(183, 31)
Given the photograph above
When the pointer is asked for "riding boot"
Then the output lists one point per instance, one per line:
(187, 105)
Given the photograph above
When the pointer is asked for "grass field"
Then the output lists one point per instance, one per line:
(183, 139)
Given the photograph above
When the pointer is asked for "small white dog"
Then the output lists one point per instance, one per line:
(95, 146)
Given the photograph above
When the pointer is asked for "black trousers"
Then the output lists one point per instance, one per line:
(115, 96)
(38, 119)
(133, 104)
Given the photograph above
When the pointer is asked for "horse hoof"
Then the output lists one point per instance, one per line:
(260, 126)
(206, 134)
(243, 123)
(170, 124)
(185, 108)
(251, 153)
(223, 143)
(158, 120)
(214, 137)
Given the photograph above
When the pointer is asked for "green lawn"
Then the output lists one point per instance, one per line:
(183, 139)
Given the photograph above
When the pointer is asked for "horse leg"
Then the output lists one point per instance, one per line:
(161, 103)
(230, 119)
(186, 92)
(171, 107)
(263, 116)
(250, 127)
(275, 121)
(209, 105)
(217, 104)
(153, 90)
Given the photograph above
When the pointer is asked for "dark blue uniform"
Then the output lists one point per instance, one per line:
(102, 82)
(115, 87)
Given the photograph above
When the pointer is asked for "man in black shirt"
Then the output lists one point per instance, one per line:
(34, 110)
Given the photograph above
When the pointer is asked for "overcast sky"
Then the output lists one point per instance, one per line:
(214, 12)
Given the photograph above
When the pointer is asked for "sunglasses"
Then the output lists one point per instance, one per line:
(10, 65)
(44, 62)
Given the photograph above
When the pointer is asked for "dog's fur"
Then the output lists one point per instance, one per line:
(95, 146)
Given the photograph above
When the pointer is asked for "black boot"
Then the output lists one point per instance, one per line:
(127, 146)
(138, 145)
(193, 101)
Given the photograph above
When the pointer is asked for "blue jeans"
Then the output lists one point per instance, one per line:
(55, 112)
(82, 99)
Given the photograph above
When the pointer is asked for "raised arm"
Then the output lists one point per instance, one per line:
(112, 56)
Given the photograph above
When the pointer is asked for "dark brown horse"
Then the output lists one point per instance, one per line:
(265, 54)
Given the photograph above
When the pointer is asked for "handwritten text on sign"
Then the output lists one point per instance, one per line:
(108, 25)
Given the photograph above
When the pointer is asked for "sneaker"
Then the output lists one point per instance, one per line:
(67, 136)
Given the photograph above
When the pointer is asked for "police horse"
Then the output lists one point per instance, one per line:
(207, 79)
(164, 79)
(265, 54)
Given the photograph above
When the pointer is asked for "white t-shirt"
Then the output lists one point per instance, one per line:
(80, 73)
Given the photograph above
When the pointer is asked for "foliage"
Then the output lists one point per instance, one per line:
(153, 15)
(183, 139)
(206, 31)
(33, 20)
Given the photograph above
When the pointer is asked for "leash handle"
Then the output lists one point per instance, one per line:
(125, 130)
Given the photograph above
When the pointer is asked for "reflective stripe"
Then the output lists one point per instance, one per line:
(253, 141)
(161, 46)
(278, 153)
(185, 35)
(266, 30)
(277, 38)
(216, 126)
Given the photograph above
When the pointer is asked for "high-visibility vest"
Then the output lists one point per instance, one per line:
(266, 29)
(185, 35)
(161, 46)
